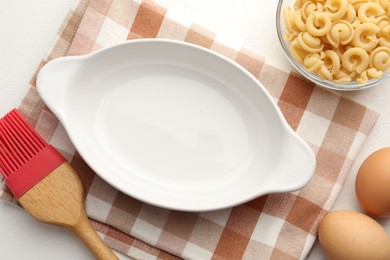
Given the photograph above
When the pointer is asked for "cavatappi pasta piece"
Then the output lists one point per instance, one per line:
(368, 12)
(355, 59)
(310, 7)
(365, 36)
(341, 77)
(297, 52)
(382, 21)
(298, 4)
(313, 62)
(318, 24)
(309, 42)
(299, 21)
(385, 39)
(341, 32)
(350, 15)
(368, 74)
(336, 9)
(332, 61)
(383, 18)
(350, 74)
(356, 4)
(383, 3)
(380, 58)
(290, 36)
(324, 73)
(288, 16)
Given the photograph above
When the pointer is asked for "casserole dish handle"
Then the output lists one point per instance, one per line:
(300, 167)
(54, 79)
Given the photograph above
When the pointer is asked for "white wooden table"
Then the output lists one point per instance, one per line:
(27, 29)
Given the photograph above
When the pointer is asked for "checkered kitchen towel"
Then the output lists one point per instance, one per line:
(277, 226)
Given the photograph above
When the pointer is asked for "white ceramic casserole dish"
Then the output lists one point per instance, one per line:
(175, 125)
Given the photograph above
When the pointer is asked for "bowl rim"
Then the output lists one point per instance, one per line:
(350, 86)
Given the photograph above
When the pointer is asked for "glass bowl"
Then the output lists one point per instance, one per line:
(281, 31)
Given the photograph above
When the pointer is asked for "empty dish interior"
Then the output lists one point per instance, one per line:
(174, 126)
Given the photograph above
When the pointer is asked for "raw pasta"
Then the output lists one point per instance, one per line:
(309, 42)
(369, 74)
(365, 36)
(342, 32)
(382, 21)
(340, 40)
(383, 3)
(318, 24)
(355, 59)
(350, 15)
(297, 52)
(332, 61)
(336, 9)
(310, 7)
(368, 12)
(299, 21)
(384, 39)
(356, 4)
(289, 20)
(313, 62)
(380, 58)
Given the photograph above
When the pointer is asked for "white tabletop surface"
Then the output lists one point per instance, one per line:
(27, 29)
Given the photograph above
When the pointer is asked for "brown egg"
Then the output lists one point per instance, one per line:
(352, 235)
(373, 183)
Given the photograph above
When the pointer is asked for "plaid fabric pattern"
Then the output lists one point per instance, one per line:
(276, 226)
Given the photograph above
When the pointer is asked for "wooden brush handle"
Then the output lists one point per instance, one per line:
(85, 231)
(59, 199)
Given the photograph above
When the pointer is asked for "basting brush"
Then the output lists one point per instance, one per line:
(43, 182)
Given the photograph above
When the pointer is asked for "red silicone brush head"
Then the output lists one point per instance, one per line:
(25, 157)
(19, 142)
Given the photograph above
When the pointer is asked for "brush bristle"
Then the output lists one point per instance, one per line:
(19, 142)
